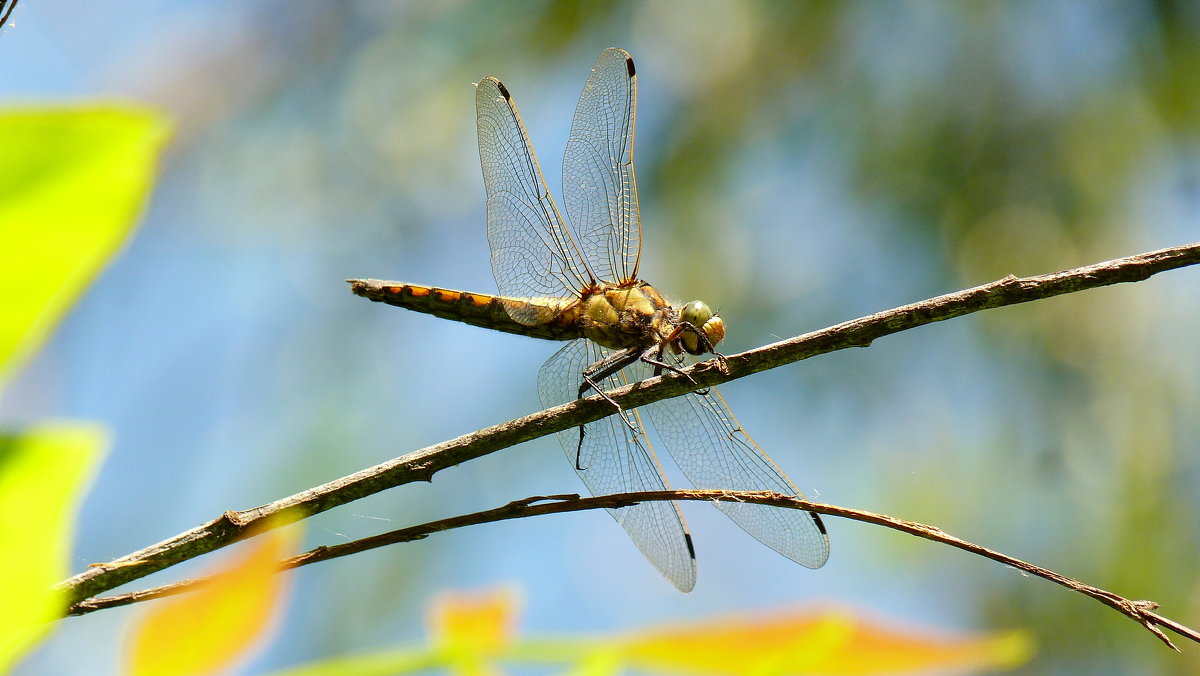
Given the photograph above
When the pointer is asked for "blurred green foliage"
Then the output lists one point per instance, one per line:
(44, 472)
(72, 182)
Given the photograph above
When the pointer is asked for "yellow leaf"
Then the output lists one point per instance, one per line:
(44, 471)
(470, 630)
(72, 182)
(206, 630)
(830, 642)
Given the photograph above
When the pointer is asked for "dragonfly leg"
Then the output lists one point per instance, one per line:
(579, 452)
(592, 376)
(583, 430)
(654, 355)
(604, 368)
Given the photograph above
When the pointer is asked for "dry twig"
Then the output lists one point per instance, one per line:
(1139, 611)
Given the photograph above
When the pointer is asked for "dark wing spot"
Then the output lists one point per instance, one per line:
(629, 66)
(820, 524)
(691, 547)
(503, 91)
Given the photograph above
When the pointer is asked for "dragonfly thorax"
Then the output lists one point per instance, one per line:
(625, 316)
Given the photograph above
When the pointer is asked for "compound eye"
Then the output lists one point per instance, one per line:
(714, 329)
(704, 321)
(696, 313)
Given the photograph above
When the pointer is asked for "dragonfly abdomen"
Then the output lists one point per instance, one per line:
(477, 309)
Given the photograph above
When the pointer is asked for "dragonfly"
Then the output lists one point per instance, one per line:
(580, 283)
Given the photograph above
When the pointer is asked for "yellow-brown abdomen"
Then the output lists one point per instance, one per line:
(477, 309)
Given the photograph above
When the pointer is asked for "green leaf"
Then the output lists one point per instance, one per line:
(44, 471)
(72, 183)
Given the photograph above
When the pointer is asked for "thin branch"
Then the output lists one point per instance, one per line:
(1139, 611)
(423, 464)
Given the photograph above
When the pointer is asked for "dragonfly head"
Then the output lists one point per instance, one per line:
(703, 319)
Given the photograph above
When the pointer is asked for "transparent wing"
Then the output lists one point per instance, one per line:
(616, 460)
(599, 188)
(532, 253)
(713, 451)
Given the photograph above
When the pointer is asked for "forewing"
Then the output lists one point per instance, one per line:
(713, 451)
(615, 459)
(599, 188)
(533, 255)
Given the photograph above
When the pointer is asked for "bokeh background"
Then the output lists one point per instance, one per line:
(800, 164)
